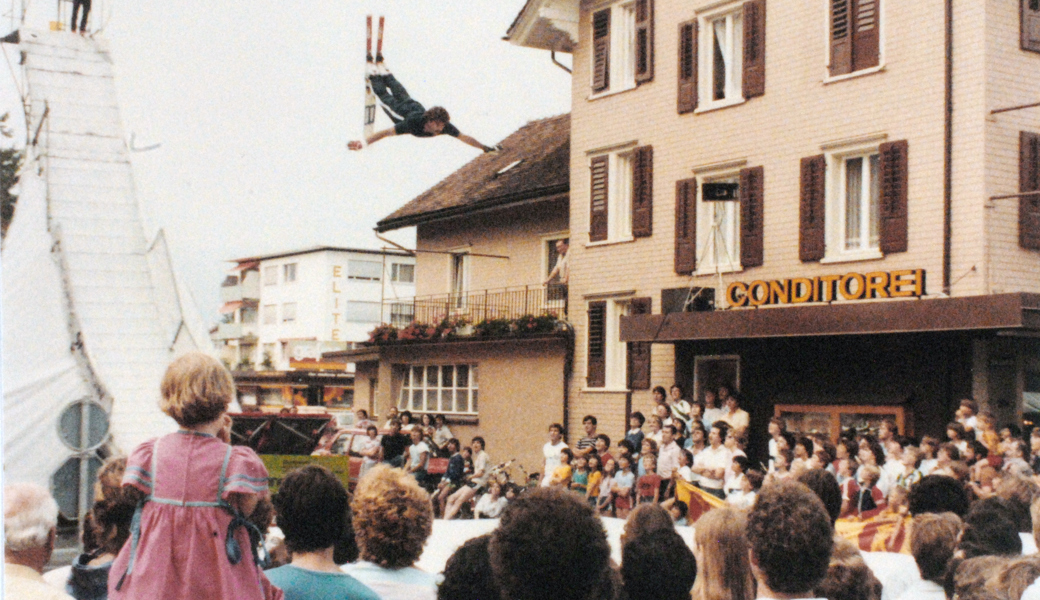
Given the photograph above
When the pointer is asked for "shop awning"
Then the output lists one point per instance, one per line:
(245, 266)
(230, 307)
(1008, 314)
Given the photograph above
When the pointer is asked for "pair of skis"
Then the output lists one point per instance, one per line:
(370, 61)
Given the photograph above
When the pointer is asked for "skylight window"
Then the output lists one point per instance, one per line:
(509, 166)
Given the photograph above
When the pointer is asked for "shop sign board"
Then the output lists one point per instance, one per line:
(907, 283)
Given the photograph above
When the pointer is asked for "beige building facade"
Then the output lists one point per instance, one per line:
(884, 144)
(485, 245)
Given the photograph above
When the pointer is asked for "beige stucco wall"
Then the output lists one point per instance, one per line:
(798, 114)
(517, 233)
(521, 390)
(1012, 79)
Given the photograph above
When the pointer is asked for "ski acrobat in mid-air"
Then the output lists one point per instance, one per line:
(408, 115)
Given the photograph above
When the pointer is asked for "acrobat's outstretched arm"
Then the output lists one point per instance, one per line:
(375, 137)
(471, 141)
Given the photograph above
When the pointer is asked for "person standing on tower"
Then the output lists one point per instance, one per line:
(76, 6)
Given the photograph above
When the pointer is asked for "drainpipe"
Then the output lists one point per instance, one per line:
(568, 370)
(552, 55)
(948, 152)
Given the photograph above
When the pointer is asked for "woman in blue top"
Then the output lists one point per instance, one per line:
(313, 513)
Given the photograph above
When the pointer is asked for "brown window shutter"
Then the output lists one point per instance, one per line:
(1029, 181)
(866, 42)
(841, 37)
(1030, 23)
(643, 192)
(893, 196)
(601, 50)
(644, 41)
(598, 196)
(687, 67)
(754, 81)
(639, 352)
(597, 370)
(685, 226)
(812, 237)
(751, 242)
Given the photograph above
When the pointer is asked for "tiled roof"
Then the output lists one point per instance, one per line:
(534, 162)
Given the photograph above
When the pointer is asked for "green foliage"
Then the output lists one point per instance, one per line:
(10, 163)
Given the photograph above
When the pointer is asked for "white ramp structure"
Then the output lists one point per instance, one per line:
(92, 310)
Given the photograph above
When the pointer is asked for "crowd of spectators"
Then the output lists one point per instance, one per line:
(185, 515)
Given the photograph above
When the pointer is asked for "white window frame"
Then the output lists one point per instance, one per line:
(408, 386)
(459, 286)
(271, 275)
(395, 272)
(835, 211)
(622, 65)
(353, 270)
(733, 13)
(289, 272)
(288, 312)
(882, 21)
(355, 306)
(620, 173)
(615, 352)
(708, 248)
(547, 239)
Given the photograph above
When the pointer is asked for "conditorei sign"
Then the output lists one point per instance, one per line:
(908, 283)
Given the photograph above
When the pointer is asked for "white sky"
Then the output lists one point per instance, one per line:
(253, 103)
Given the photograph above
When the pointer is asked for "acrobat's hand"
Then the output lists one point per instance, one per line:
(355, 145)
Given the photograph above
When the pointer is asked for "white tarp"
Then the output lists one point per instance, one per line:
(91, 309)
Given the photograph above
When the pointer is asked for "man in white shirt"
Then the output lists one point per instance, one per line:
(668, 454)
(932, 542)
(712, 462)
(790, 537)
(30, 528)
(551, 451)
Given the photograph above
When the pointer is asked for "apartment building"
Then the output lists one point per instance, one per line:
(848, 189)
(290, 307)
(486, 239)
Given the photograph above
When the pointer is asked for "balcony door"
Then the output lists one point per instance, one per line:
(459, 279)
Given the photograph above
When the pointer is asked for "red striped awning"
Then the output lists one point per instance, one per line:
(230, 307)
(245, 266)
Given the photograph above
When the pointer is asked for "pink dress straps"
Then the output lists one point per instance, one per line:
(186, 539)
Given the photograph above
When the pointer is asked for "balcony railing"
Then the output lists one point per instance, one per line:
(504, 303)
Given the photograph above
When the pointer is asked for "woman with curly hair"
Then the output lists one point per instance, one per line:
(393, 518)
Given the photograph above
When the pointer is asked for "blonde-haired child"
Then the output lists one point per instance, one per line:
(190, 538)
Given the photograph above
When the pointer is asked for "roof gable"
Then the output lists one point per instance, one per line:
(534, 162)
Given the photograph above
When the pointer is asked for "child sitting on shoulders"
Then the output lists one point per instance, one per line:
(561, 477)
(580, 477)
(912, 457)
(649, 486)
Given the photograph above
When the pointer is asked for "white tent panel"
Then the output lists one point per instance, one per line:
(124, 303)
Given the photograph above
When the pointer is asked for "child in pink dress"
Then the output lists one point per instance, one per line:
(190, 538)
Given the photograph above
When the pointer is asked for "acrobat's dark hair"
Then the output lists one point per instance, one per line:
(312, 507)
(437, 113)
(549, 544)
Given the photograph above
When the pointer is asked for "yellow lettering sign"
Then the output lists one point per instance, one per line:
(337, 271)
(828, 288)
